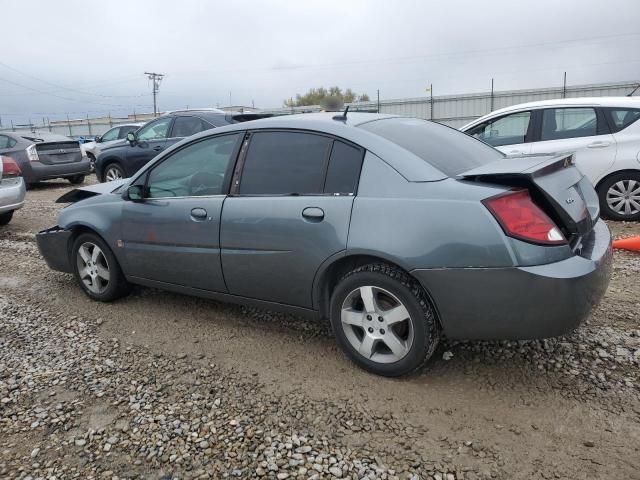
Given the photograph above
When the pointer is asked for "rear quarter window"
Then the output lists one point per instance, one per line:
(447, 149)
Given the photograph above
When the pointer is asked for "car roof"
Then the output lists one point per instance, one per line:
(409, 165)
(624, 102)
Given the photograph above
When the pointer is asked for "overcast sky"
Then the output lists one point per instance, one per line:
(76, 57)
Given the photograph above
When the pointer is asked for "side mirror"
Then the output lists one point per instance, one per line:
(135, 193)
(97, 139)
(131, 137)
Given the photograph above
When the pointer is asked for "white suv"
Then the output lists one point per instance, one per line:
(603, 132)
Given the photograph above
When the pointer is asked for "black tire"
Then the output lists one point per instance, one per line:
(426, 330)
(603, 190)
(92, 161)
(76, 179)
(6, 217)
(117, 286)
(112, 166)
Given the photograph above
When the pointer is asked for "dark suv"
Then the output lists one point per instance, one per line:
(126, 157)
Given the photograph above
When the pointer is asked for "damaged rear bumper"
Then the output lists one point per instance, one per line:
(53, 244)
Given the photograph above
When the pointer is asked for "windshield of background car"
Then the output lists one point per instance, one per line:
(449, 150)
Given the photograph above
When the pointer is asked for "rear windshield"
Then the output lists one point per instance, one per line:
(449, 150)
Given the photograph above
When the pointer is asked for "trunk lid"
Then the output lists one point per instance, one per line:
(554, 183)
(55, 153)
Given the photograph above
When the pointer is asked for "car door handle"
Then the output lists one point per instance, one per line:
(199, 213)
(313, 214)
(598, 144)
(157, 149)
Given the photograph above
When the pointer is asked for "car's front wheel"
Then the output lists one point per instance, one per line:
(620, 196)
(383, 320)
(113, 172)
(6, 217)
(97, 270)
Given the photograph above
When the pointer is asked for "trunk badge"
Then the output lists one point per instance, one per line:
(570, 200)
(62, 150)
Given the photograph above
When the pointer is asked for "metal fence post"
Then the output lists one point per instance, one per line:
(89, 124)
(69, 125)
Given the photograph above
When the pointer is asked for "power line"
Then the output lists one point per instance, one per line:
(156, 78)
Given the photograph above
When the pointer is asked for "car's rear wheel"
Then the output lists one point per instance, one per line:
(113, 172)
(620, 196)
(97, 270)
(383, 320)
(6, 217)
(76, 179)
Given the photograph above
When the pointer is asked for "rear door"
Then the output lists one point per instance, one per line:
(173, 235)
(185, 126)
(582, 130)
(151, 140)
(508, 133)
(290, 211)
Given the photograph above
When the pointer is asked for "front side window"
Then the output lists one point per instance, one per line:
(561, 123)
(187, 126)
(124, 131)
(155, 130)
(285, 163)
(507, 130)
(623, 117)
(111, 134)
(194, 171)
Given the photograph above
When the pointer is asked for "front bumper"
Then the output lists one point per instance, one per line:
(36, 171)
(522, 302)
(53, 244)
(12, 193)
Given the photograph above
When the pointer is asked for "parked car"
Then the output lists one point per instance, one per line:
(123, 159)
(393, 228)
(603, 132)
(44, 156)
(93, 148)
(12, 189)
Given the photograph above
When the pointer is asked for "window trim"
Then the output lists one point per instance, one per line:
(238, 171)
(227, 174)
(528, 136)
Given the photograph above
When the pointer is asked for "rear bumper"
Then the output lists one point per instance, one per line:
(522, 302)
(36, 171)
(12, 193)
(53, 244)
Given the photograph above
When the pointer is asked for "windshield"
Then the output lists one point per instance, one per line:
(447, 149)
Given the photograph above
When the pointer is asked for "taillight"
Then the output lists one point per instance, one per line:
(520, 218)
(32, 153)
(10, 168)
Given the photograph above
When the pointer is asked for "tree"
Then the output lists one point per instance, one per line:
(321, 96)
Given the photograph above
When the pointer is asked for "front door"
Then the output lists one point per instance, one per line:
(151, 140)
(291, 212)
(581, 130)
(173, 235)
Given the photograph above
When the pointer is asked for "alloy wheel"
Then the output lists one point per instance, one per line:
(113, 173)
(623, 197)
(377, 324)
(93, 267)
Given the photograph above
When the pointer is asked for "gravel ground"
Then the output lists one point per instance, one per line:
(159, 385)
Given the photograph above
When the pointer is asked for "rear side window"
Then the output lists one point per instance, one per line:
(623, 117)
(187, 126)
(561, 123)
(285, 163)
(7, 142)
(449, 150)
(344, 168)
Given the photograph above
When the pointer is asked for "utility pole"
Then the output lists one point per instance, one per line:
(155, 78)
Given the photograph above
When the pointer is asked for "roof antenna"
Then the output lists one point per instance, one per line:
(343, 117)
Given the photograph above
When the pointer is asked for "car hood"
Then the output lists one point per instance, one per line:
(91, 191)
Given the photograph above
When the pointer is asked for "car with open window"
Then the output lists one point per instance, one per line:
(603, 133)
(395, 229)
